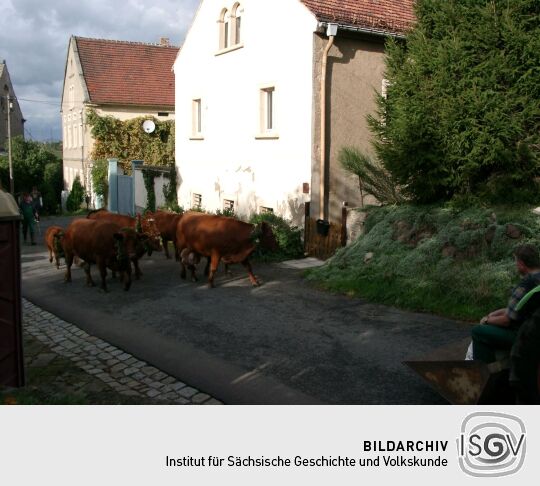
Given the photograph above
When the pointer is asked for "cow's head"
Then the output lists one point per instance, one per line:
(267, 238)
(147, 226)
(126, 242)
(58, 239)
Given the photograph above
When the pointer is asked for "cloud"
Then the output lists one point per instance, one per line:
(34, 37)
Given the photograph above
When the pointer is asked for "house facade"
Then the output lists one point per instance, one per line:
(254, 126)
(16, 118)
(115, 78)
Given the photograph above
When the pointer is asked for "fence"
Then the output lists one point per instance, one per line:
(320, 245)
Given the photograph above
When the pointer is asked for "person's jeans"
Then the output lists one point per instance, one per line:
(28, 225)
(487, 340)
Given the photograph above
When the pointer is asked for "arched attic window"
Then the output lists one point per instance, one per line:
(236, 17)
(224, 29)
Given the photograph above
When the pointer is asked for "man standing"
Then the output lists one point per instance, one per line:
(29, 215)
(37, 201)
(498, 330)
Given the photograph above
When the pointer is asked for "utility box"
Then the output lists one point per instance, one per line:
(11, 344)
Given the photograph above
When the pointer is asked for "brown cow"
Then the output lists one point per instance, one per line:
(106, 244)
(222, 238)
(166, 223)
(145, 224)
(53, 240)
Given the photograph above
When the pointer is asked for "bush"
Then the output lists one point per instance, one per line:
(461, 113)
(373, 178)
(170, 191)
(100, 179)
(76, 196)
(288, 237)
(226, 212)
(53, 183)
(30, 162)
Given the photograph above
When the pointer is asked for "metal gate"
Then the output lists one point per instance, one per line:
(121, 190)
(126, 201)
(323, 244)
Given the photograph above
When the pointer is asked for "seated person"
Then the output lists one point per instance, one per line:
(525, 361)
(498, 330)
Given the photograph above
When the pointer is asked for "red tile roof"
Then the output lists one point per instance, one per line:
(127, 73)
(391, 16)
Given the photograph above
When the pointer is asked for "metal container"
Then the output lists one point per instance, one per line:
(11, 345)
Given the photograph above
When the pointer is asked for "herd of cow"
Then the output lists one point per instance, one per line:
(116, 242)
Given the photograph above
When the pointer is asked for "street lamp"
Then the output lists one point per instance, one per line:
(9, 106)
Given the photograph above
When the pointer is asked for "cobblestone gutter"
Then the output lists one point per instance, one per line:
(117, 369)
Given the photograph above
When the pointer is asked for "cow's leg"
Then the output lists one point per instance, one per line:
(57, 259)
(89, 281)
(207, 267)
(182, 265)
(192, 268)
(126, 277)
(176, 252)
(165, 244)
(103, 274)
(138, 272)
(50, 255)
(69, 262)
(214, 263)
(253, 279)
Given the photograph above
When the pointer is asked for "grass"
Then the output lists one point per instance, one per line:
(452, 262)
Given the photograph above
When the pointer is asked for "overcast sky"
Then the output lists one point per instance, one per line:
(34, 36)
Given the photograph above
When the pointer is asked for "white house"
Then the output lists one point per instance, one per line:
(115, 78)
(252, 129)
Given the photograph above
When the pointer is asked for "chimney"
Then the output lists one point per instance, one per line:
(163, 41)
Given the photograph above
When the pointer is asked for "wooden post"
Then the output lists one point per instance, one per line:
(344, 223)
(307, 233)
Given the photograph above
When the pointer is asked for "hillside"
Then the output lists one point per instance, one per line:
(453, 262)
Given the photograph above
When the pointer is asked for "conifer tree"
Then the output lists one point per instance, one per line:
(462, 113)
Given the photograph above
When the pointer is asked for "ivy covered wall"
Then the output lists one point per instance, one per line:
(127, 141)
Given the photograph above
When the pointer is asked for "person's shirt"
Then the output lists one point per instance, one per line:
(36, 200)
(27, 209)
(529, 282)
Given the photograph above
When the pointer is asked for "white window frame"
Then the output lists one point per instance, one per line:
(196, 200)
(75, 135)
(267, 112)
(236, 24)
(71, 96)
(197, 119)
(229, 30)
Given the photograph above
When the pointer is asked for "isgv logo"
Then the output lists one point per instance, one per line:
(491, 444)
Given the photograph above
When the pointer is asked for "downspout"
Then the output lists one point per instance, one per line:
(331, 33)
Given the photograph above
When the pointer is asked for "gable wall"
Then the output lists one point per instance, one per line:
(230, 162)
(76, 138)
(17, 126)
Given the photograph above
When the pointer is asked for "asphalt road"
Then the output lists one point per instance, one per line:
(284, 342)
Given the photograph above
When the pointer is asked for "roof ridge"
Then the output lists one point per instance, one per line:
(135, 43)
